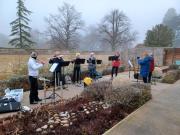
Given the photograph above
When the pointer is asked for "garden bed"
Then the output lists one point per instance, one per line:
(94, 112)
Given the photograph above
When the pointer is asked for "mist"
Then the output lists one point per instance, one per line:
(143, 14)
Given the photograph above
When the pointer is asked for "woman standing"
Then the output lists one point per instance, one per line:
(77, 69)
(145, 66)
(92, 66)
(115, 64)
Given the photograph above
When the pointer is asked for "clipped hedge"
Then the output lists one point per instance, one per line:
(21, 81)
(173, 67)
(171, 76)
(108, 70)
(132, 95)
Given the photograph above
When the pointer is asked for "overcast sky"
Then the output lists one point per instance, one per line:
(143, 13)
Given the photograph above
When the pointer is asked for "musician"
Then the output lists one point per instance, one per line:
(145, 66)
(33, 71)
(115, 65)
(151, 67)
(77, 69)
(57, 58)
(92, 65)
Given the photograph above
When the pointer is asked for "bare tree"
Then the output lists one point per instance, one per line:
(63, 27)
(116, 29)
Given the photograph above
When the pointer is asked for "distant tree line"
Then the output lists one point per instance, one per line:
(65, 30)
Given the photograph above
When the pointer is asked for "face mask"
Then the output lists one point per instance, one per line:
(34, 58)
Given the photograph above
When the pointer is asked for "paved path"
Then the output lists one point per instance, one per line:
(160, 116)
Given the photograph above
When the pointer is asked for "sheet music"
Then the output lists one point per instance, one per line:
(129, 62)
(53, 67)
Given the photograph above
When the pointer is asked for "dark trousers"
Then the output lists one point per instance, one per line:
(92, 72)
(114, 69)
(59, 78)
(33, 96)
(149, 77)
(76, 74)
(145, 79)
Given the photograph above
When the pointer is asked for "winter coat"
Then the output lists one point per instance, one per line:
(91, 65)
(56, 60)
(116, 63)
(145, 66)
(152, 65)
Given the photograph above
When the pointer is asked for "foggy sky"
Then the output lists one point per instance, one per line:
(143, 13)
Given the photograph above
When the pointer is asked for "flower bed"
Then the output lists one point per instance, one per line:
(92, 113)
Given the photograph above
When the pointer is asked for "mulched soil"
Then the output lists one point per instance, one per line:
(84, 117)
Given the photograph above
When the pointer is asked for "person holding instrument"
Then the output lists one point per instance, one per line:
(92, 65)
(145, 66)
(115, 64)
(77, 69)
(57, 58)
(33, 71)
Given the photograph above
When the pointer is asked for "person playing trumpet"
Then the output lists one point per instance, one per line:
(33, 71)
(57, 58)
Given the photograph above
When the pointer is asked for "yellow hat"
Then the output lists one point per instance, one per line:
(87, 81)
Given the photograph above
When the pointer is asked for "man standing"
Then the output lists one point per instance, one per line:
(33, 71)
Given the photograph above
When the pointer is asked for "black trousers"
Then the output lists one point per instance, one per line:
(59, 77)
(145, 79)
(149, 77)
(114, 69)
(76, 74)
(33, 96)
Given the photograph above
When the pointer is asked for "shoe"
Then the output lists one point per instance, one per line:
(35, 102)
(38, 100)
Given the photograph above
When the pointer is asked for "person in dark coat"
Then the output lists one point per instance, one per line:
(57, 58)
(77, 70)
(92, 66)
(151, 68)
(144, 66)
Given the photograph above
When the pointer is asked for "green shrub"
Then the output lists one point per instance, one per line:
(133, 95)
(107, 71)
(97, 90)
(171, 76)
(173, 67)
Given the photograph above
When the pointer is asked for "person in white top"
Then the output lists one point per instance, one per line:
(33, 71)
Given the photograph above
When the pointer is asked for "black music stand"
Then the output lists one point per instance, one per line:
(98, 62)
(54, 94)
(112, 58)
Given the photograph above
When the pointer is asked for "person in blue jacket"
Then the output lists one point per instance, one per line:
(144, 66)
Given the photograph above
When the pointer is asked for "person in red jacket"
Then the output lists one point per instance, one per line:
(151, 68)
(115, 65)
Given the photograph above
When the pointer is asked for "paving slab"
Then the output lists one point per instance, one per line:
(160, 116)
